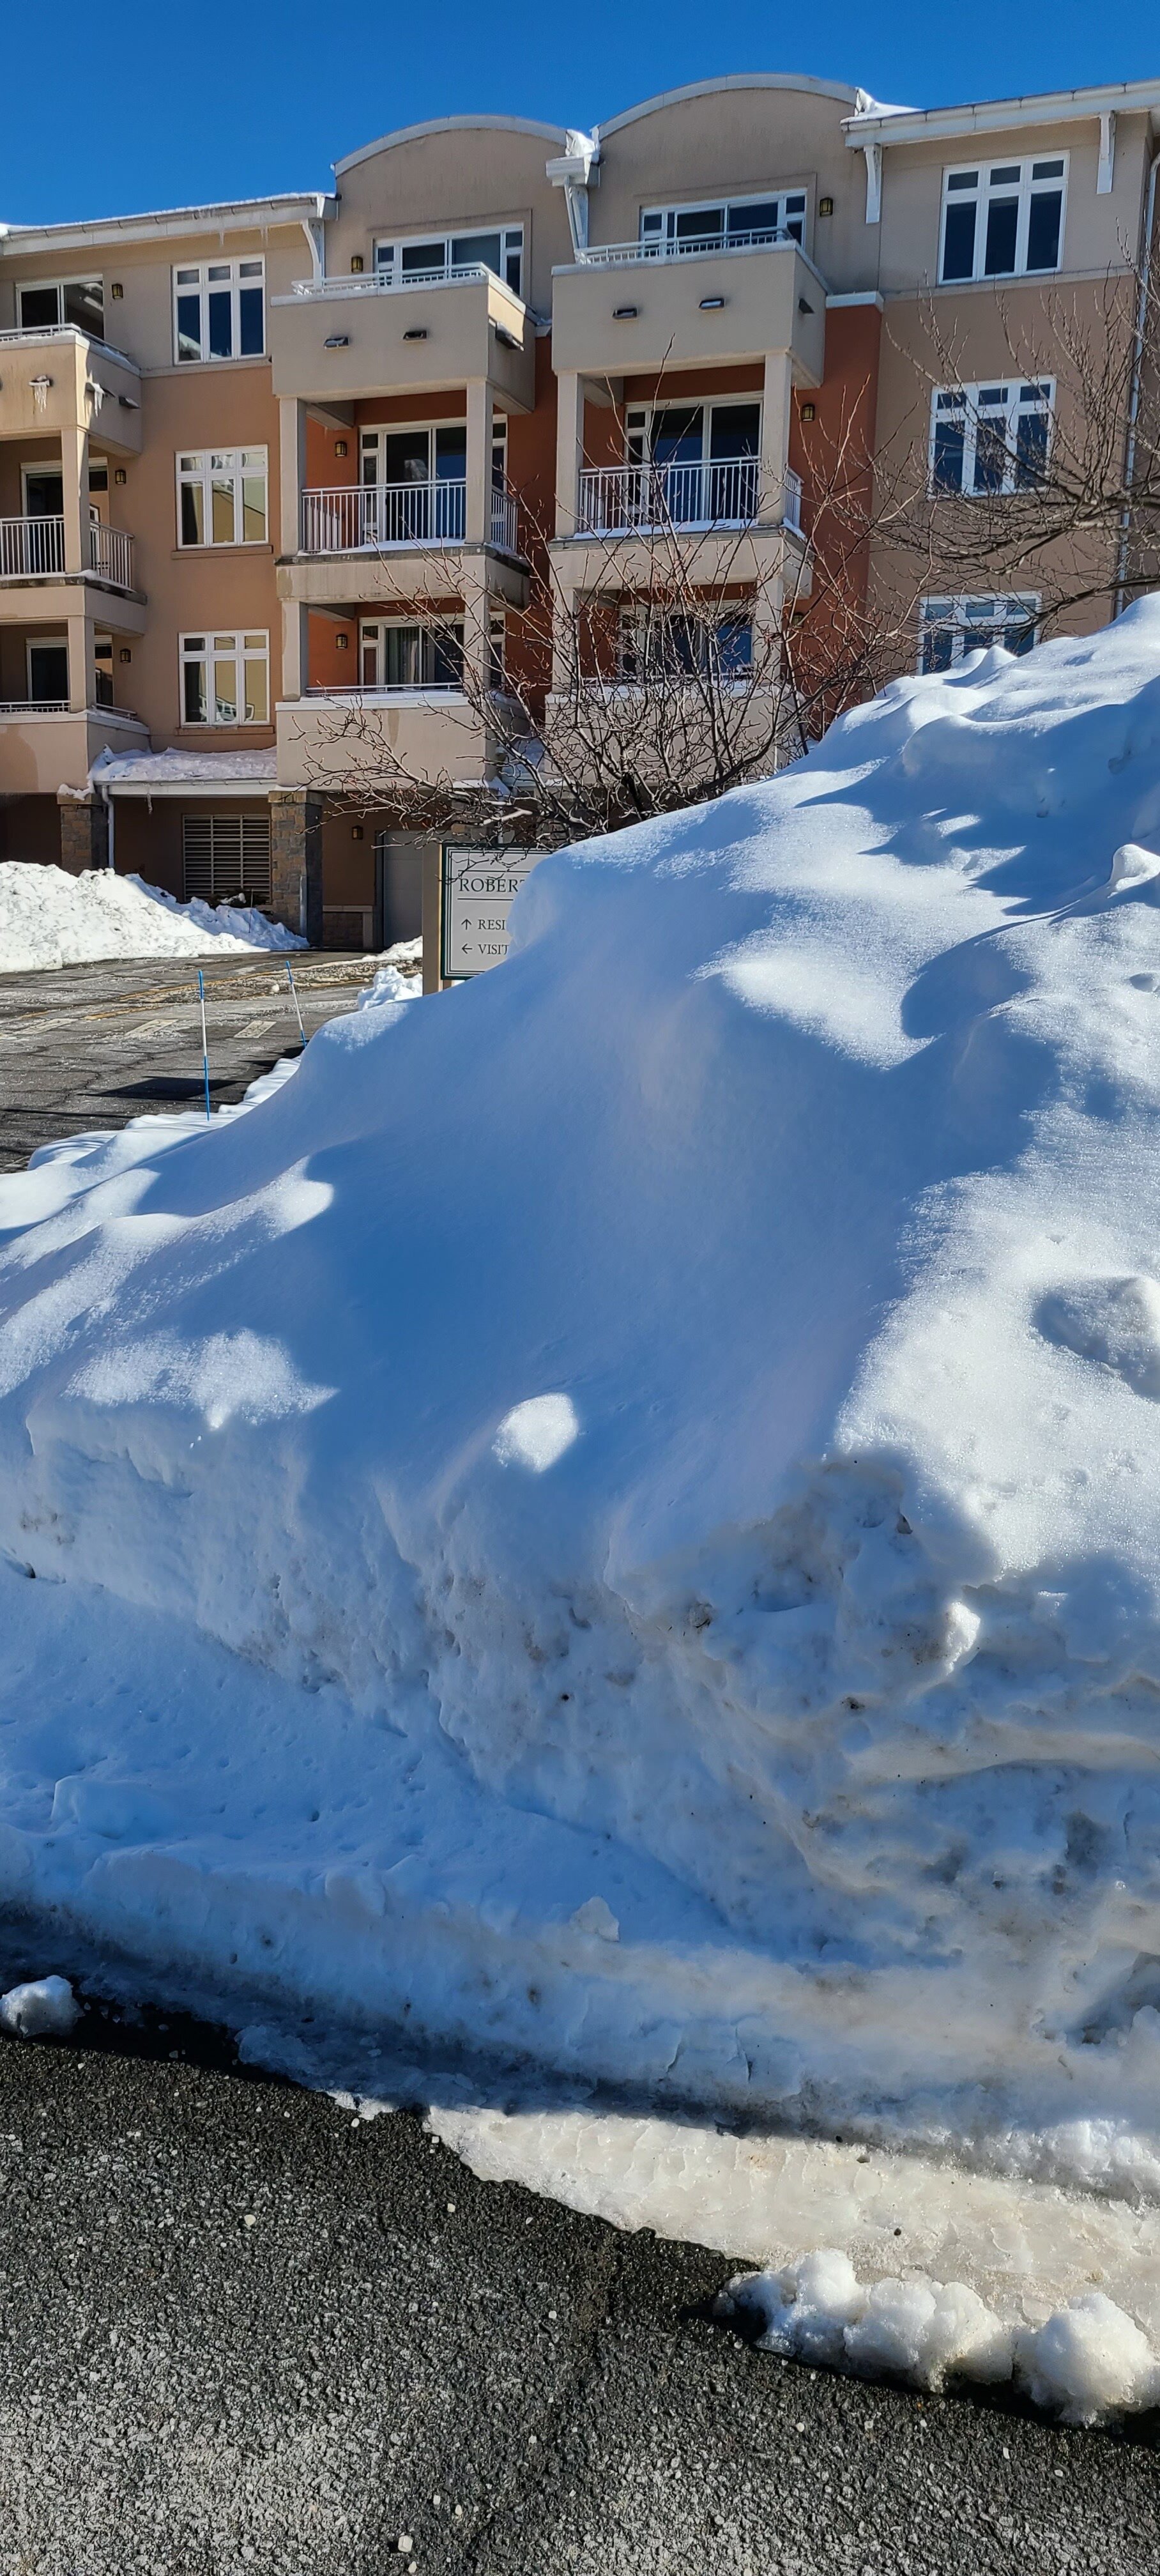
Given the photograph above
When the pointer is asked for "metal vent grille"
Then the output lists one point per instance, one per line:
(225, 856)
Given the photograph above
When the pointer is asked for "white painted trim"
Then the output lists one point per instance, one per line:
(1106, 172)
(803, 81)
(873, 157)
(245, 214)
(451, 125)
(1028, 189)
(865, 295)
(1001, 115)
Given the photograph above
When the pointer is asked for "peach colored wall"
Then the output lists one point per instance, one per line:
(214, 586)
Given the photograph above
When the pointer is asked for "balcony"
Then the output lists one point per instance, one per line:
(355, 518)
(344, 338)
(629, 306)
(374, 742)
(664, 500)
(46, 744)
(33, 550)
(59, 380)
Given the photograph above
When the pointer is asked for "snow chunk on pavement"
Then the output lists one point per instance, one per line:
(49, 918)
(44, 2008)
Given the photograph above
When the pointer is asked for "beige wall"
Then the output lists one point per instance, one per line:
(742, 141)
(456, 181)
(1099, 232)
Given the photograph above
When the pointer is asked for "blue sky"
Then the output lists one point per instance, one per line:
(155, 106)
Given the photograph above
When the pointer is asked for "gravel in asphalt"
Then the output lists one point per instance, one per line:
(242, 2330)
(93, 1046)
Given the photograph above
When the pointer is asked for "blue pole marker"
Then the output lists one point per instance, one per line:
(204, 1039)
(297, 1004)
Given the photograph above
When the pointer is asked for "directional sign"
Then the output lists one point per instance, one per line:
(478, 886)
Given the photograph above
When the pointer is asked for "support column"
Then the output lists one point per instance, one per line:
(476, 629)
(74, 475)
(296, 861)
(775, 419)
(291, 471)
(569, 450)
(82, 659)
(84, 829)
(477, 527)
(564, 608)
(295, 649)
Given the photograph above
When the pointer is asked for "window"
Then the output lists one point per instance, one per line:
(990, 438)
(219, 309)
(1002, 221)
(419, 477)
(952, 627)
(737, 224)
(417, 263)
(77, 302)
(48, 671)
(226, 857)
(221, 497)
(700, 461)
(396, 656)
(103, 658)
(660, 645)
(225, 679)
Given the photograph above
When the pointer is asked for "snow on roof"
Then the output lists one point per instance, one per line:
(148, 771)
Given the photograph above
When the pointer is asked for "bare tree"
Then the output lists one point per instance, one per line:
(695, 658)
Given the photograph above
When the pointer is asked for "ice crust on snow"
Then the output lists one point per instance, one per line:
(49, 918)
(669, 1422)
(42, 2008)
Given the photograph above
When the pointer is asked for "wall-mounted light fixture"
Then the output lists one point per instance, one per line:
(809, 411)
(356, 831)
(506, 339)
(803, 307)
(124, 655)
(119, 474)
(116, 292)
(340, 446)
(625, 312)
(337, 340)
(414, 335)
(713, 303)
(356, 265)
(341, 642)
(825, 205)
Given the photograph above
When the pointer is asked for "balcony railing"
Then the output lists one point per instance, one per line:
(627, 254)
(366, 518)
(622, 500)
(29, 547)
(379, 282)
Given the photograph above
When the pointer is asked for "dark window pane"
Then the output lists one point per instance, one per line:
(937, 645)
(446, 661)
(221, 338)
(735, 430)
(417, 257)
(84, 307)
(191, 527)
(949, 440)
(194, 693)
(251, 320)
(1002, 228)
(451, 452)
(677, 435)
(1031, 448)
(699, 223)
(990, 455)
(1019, 639)
(755, 219)
(39, 308)
(189, 326)
(477, 250)
(514, 270)
(959, 242)
(735, 647)
(1045, 213)
(48, 671)
(407, 456)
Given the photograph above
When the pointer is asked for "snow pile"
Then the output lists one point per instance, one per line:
(613, 1520)
(43, 2008)
(1088, 2361)
(48, 918)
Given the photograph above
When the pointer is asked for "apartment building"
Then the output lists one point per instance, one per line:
(276, 477)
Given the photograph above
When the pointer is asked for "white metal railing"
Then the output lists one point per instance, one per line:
(35, 707)
(726, 493)
(381, 282)
(626, 254)
(30, 546)
(65, 331)
(111, 555)
(362, 518)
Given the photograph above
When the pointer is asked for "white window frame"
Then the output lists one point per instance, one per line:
(206, 467)
(948, 402)
(245, 646)
(388, 250)
(370, 633)
(632, 641)
(639, 418)
(1022, 607)
(207, 277)
(1024, 189)
(56, 285)
(661, 239)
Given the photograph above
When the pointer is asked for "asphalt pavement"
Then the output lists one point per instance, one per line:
(242, 2330)
(93, 1046)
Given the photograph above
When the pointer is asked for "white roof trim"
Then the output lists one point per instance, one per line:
(733, 80)
(243, 214)
(999, 115)
(451, 125)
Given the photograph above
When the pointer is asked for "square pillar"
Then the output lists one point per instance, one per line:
(295, 649)
(296, 861)
(84, 829)
(477, 526)
(82, 660)
(291, 471)
(569, 450)
(476, 632)
(74, 475)
(775, 420)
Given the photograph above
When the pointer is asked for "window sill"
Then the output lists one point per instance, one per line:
(190, 366)
(247, 546)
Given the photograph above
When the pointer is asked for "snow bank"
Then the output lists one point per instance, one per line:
(48, 918)
(613, 1521)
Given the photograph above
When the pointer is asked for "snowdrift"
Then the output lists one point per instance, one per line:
(614, 1519)
(49, 918)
